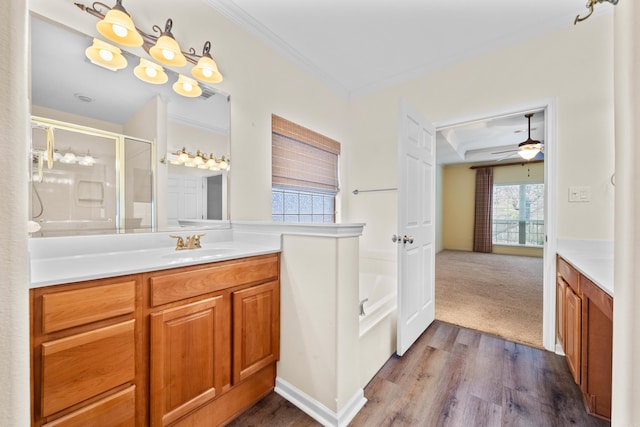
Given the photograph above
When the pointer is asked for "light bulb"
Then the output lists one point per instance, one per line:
(169, 55)
(207, 72)
(151, 72)
(187, 86)
(119, 30)
(107, 55)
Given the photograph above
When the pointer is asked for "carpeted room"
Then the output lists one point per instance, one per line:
(499, 292)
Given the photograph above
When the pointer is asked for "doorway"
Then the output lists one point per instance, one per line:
(548, 109)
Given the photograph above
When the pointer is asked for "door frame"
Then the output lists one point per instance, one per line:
(551, 200)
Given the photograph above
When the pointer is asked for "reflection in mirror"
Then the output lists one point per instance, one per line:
(77, 187)
(68, 88)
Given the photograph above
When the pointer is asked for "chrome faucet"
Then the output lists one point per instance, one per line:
(190, 242)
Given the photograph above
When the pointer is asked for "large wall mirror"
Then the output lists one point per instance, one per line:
(125, 135)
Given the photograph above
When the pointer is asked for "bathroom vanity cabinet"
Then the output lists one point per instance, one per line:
(192, 346)
(585, 330)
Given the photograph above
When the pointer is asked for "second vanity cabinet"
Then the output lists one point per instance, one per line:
(188, 346)
(214, 334)
(585, 331)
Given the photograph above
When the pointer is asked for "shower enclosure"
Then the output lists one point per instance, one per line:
(88, 181)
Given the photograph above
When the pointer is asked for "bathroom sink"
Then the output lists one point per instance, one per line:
(198, 254)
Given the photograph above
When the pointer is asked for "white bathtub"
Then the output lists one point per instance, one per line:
(378, 299)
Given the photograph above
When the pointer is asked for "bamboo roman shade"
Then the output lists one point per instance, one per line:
(302, 158)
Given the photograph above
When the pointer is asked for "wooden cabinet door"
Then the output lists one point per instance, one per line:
(190, 357)
(573, 331)
(597, 344)
(560, 310)
(256, 329)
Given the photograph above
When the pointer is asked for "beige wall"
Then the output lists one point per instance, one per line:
(573, 66)
(458, 201)
(14, 273)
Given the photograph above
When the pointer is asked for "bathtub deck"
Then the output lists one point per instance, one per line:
(456, 377)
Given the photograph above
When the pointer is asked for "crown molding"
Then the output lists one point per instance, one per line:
(247, 22)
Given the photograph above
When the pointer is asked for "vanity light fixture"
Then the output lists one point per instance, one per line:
(590, 5)
(200, 160)
(117, 25)
(150, 72)
(106, 55)
(186, 86)
(166, 48)
(206, 69)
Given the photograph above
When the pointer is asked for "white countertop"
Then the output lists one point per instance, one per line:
(593, 258)
(61, 266)
(58, 260)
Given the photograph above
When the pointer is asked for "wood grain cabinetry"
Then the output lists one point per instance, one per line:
(190, 346)
(584, 330)
(85, 352)
(573, 332)
(597, 342)
(215, 338)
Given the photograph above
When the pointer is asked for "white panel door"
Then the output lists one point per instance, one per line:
(416, 216)
(184, 198)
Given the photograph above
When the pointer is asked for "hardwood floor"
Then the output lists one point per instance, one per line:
(456, 377)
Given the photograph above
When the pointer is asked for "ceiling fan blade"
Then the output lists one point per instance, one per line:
(514, 150)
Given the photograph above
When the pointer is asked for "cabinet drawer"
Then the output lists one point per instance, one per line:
(196, 281)
(569, 274)
(84, 365)
(66, 309)
(115, 410)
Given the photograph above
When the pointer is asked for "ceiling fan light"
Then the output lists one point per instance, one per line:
(105, 55)
(118, 27)
(150, 72)
(528, 152)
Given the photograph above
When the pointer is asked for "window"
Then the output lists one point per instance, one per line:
(304, 174)
(518, 214)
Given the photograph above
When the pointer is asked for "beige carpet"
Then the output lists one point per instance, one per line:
(498, 294)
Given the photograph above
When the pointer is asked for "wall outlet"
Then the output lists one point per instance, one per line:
(579, 194)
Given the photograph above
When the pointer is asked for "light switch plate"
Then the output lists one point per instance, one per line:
(579, 194)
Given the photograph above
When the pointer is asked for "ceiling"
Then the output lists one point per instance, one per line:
(490, 140)
(359, 46)
(355, 47)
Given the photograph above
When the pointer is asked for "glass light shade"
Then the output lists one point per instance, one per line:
(183, 157)
(207, 70)
(187, 87)
(118, 27)
(68, 158)
(87, 160)
(150, 72)
(198, 160)
(223, 164)
(167, 51)
(106, 55)
(528, 152)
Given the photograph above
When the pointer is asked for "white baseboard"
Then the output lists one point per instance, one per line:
(317, 410)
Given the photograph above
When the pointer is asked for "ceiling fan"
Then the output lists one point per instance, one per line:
(528, 149)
